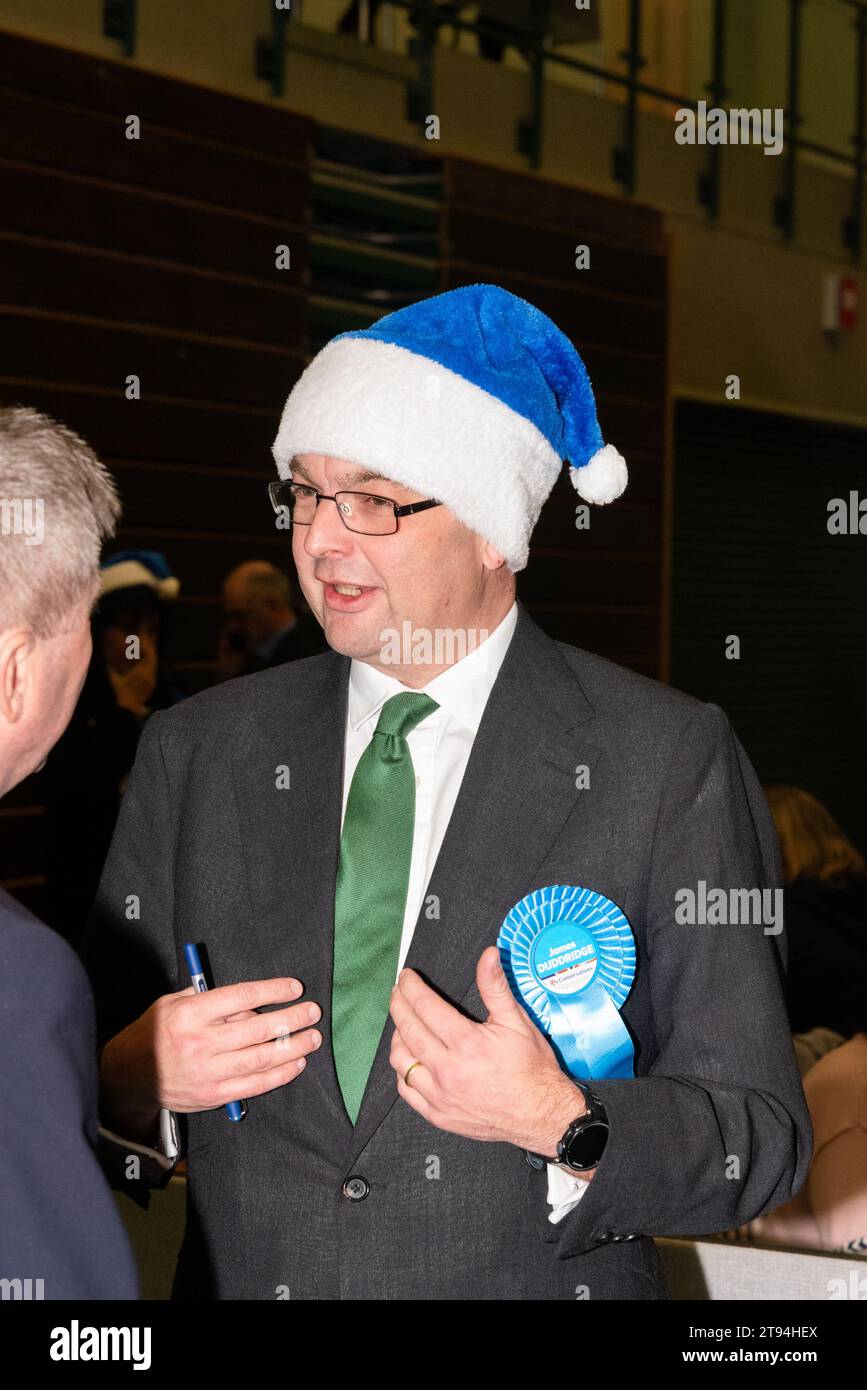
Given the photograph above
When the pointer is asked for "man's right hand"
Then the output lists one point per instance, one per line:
(193, 1051)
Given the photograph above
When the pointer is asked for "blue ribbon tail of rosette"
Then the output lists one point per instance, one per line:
(589, 1036)
(569, 955)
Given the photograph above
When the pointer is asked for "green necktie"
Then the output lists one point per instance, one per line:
(372, 883)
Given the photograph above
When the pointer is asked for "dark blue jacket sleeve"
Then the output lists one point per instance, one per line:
(58, 1219)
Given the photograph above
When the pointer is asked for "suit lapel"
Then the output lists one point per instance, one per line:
(291, 837)
(517, 792)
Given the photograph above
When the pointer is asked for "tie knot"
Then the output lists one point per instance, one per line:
(400, 714)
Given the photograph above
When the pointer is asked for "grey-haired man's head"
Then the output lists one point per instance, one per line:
(58, 504)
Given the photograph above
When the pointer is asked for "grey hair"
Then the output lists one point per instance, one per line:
(57, 505)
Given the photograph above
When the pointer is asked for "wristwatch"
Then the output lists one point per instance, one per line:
(583, 1143)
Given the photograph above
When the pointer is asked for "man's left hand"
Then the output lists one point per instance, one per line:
(498, 1080)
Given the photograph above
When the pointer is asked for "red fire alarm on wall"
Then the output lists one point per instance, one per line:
(848, 298)
(839, 304)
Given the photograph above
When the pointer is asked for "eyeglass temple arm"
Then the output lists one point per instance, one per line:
(415, 507)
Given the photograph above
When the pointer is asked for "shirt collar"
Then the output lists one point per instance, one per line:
(462, 690)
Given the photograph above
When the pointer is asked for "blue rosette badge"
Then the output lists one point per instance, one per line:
(569, 956)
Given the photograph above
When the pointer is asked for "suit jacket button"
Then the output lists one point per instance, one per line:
(356, 1189)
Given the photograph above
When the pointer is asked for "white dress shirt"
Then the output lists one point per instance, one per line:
(440, 747)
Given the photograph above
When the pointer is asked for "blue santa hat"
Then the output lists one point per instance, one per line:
(473, 397)
(128, 569)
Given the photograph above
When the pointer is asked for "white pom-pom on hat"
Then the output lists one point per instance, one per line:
(602, 478)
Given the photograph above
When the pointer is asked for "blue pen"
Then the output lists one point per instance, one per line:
(236, 1109)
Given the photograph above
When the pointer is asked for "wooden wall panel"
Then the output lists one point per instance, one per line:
(93, 83)
(126, 221)
(206, 497)
(153, 257)
(494, 238)
(48, 274)
(164, 161)
(155, 427)
(37, 345)
(527, 198)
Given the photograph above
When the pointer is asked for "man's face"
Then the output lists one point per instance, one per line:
(433, 571)
(48, 677)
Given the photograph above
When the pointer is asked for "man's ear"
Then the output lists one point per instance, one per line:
(16, 663)
(491, 557)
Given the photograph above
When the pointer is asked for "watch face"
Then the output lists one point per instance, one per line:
(585, 1148)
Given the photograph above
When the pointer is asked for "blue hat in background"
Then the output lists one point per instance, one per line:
(474, 397)
(127, 569)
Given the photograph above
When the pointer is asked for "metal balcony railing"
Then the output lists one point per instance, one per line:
(536, 37)
(536, 28)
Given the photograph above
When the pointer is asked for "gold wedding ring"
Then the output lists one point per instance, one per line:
(409, 1072)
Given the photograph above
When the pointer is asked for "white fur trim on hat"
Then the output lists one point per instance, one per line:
(129, 574)
(603, 477)
(423, 425)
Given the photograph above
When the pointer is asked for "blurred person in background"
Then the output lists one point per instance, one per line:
(58, 1220)
(491, 43)
(86, 774)
(264, 623)
(825, 914)
(351, 19)
(830, 1211)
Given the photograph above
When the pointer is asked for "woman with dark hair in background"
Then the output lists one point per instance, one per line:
(86, 774)
(825, 915)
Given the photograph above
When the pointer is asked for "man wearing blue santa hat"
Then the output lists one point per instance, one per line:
(436, 882)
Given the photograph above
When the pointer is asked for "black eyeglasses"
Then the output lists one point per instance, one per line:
(362, 512)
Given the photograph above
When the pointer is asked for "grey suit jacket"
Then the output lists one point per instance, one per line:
(712, 1131)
